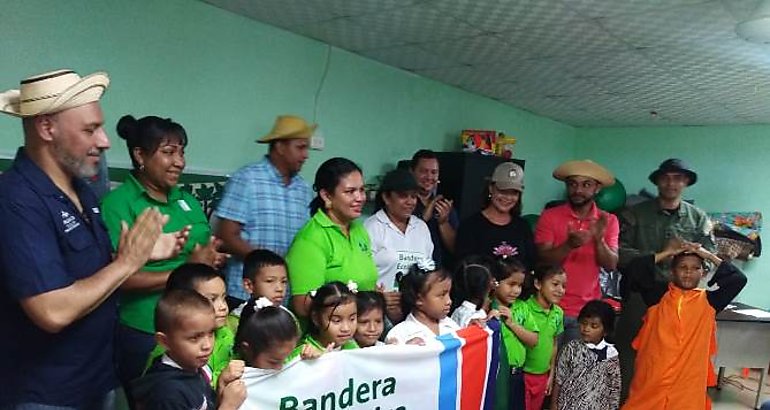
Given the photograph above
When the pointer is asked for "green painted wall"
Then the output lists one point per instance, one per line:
(225, 78)
(731, 165)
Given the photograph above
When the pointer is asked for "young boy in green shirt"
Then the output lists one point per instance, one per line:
(206, 281)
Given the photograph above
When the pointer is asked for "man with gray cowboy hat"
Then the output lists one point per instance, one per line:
(266, 202)
(648, 228)
(58, 276)
(580, 237)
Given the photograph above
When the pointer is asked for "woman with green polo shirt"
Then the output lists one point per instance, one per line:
(156, 147)
(333, 245)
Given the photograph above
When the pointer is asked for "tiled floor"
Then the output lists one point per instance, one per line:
(738, 393)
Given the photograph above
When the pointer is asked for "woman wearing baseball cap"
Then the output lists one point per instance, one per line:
(498, 229)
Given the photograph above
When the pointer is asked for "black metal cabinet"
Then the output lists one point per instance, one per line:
(463, 177)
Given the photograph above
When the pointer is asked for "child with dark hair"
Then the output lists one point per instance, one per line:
(471, 287)
(425, 295)
(371, 318)
(588, 369)
(208, 282)
(181, 378)
(678, 336)
(264, 276)
(333, 318)
(267, 336)
(519, 333)
(549, 282)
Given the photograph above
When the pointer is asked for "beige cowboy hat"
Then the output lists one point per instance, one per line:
(52, 92)
(289, 127)
(584, 168)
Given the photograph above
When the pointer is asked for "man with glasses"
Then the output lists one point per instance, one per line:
(579, 237)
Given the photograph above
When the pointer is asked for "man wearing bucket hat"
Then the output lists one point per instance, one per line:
(266, 203)
(579, 236)
(648, 229)
(58, 309)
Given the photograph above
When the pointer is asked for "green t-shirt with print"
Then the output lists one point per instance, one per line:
(321, 253)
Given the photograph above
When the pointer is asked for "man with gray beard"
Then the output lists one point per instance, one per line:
(58, 274)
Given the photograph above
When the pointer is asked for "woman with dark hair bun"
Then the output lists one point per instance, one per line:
(333, 245)
(156, 147)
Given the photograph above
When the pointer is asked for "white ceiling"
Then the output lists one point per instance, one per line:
(581, 62)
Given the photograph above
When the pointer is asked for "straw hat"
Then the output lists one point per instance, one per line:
(52, 92)
(584, 168)
(288, 127)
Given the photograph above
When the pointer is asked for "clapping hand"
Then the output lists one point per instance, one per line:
(209, 253)
(138, 243)
(577, 237)
(170, 244)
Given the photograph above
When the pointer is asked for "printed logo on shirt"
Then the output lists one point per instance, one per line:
(69, 221)
(183, 204)
(555, 321)
(205, 404)
(406, 259)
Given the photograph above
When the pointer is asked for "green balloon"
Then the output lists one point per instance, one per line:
(531, 219)
(611, 198)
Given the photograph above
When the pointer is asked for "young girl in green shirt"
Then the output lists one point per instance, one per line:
(333, 318)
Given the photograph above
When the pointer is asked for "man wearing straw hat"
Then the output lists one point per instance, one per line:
(580, 237)
(57, 272)
(266, 203)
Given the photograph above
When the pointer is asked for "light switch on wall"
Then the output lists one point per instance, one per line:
(317, 141)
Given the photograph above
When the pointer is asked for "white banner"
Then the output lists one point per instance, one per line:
(453, 374)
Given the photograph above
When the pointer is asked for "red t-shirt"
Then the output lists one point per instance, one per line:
(580, 264)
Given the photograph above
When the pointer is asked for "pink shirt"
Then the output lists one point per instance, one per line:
(580, 264)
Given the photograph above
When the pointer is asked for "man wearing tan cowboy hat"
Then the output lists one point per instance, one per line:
(580, 237)
(57, 272)
(647, 229)
(266, 203)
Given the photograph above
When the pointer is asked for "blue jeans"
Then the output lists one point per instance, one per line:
(106, 402)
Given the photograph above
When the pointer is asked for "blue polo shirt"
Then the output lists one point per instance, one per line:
(47, 244)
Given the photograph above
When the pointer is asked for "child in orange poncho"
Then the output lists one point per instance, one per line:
(678, 337)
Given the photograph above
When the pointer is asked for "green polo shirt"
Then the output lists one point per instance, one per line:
(550, 323)
(512, 351)
(321, 253)
(645, 229)
(516, 350)
(126, 203)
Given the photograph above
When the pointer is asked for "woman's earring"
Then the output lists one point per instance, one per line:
(141, 167)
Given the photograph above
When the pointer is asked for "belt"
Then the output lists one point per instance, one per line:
(516, 370)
